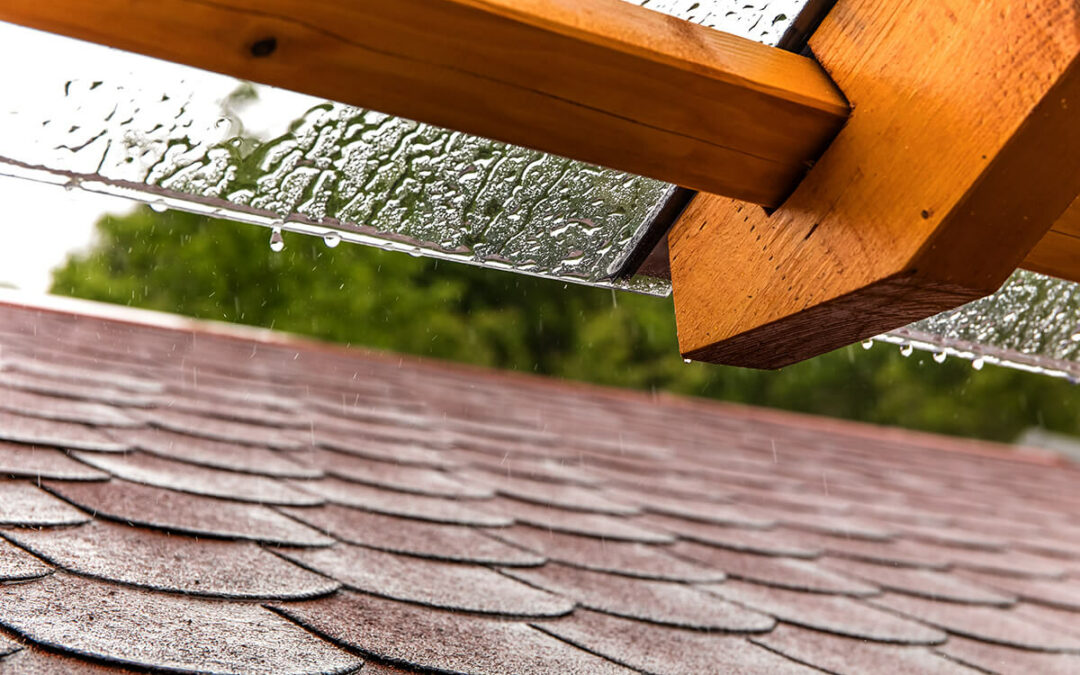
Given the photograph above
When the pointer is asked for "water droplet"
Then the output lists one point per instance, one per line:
(331, 239)
(867, 344)
(72, 184)
(687, 361)
(906, 350)
(940, 357)
(978, 364)
(277, 242)
(159, 205)
(414, 252)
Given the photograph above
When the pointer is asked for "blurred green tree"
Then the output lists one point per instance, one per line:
(188, 264)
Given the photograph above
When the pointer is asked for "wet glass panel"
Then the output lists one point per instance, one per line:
(762, 20)
(1031, 323)
(108, 121)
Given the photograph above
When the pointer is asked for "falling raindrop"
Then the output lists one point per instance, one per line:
(978, 364)
(939, 357)
(159, 205)
(867, 344)
(277, 242)
(331, 239)
(906, 350)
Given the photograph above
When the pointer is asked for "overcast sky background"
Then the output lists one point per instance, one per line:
(41, 225)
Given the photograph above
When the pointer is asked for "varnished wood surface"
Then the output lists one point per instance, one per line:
(962, 149)
(602, 81)
(1058, 253)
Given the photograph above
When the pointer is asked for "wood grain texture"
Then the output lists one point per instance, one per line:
(1058, 253)
(601, 81)
(962, 149)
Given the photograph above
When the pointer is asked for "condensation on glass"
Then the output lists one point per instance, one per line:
(763, 21)
(1031, 323)
(106, 121)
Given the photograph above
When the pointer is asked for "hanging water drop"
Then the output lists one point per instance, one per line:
(978, 363)
(687, 361)
(72, 184)
(414, 252)
(867, 344)
(939, 357)
(331, 239)
(906, 350)
(277, 242)
(159, 205)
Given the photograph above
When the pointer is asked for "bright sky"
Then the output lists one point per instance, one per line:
(40, 225)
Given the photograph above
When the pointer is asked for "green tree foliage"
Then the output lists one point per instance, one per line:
(187, 264)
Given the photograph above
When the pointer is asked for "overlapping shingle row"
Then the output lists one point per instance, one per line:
(182, 500)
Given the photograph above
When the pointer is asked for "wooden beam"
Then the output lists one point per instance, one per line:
(1058, 253)
(962, 149)
(602, 81)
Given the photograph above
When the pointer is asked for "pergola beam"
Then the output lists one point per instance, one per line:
(601, 81)
(1058, 253)
(962, 150)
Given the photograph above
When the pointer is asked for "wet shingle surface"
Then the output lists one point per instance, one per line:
(158, 630)
(18, 565)
(467, 588)
(21, 461)
(839, 655)
(171, 562)
(22, 504)
(440, 541)
(672, 651)
(173, 498)
(629, 558)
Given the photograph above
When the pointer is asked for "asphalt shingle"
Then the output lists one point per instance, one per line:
(452, 543)
(466, 588)
(131, 555)
(661, 602)
(139, 628)
(437, 518)
(186, 514)
(668, 651)
(411, 637)
(23, 504)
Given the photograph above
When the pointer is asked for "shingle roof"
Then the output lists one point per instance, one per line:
(191, 497)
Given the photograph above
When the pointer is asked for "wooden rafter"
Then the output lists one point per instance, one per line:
(1058, 253)
(962, 150)
(598, 80)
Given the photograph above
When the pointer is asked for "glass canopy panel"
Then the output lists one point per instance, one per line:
(98, 119)
(1031, 323)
